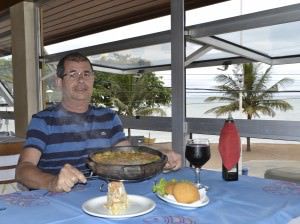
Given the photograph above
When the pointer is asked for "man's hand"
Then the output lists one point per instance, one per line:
(66, 179)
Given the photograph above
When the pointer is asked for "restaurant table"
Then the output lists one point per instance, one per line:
(248, 200)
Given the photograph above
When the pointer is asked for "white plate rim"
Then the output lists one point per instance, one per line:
(132, 198)
(204, 200)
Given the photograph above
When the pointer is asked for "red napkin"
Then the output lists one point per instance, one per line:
(229, 145)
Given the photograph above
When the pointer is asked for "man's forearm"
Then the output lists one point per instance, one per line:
(32, 177)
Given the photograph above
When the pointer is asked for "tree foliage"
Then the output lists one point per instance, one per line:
(131, 95)
(6, 73)
(6, 70)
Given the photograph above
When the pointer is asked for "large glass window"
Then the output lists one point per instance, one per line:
(7, 124)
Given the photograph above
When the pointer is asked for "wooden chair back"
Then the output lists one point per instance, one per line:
(9, 155)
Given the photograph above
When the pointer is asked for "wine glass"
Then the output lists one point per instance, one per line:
(197, 152)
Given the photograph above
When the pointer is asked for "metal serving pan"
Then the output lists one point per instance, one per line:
(137, 172)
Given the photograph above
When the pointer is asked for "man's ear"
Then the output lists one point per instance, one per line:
(58, 82)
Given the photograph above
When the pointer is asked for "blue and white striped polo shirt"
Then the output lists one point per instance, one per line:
(67, 137)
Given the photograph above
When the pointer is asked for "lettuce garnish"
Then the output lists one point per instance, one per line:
(159, 187)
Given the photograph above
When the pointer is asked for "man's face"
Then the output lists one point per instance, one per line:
(77, 84)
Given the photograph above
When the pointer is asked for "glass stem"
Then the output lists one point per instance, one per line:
(197, 175)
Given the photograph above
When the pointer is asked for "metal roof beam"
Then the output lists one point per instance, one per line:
(234, 49)
(269, 17)
(131, 43)
(217, 62)
(286, 60)
(150, 69)
(110, 70)
(197, 54)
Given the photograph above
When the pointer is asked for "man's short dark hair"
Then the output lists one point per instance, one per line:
(77, 57)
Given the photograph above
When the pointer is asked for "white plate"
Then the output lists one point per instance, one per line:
(137, 205)
(204, 200)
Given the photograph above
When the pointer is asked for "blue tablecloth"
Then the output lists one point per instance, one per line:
(249, 200)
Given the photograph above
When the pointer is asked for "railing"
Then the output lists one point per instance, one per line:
(263, 129)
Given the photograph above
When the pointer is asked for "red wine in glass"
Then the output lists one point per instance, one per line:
(197, 152)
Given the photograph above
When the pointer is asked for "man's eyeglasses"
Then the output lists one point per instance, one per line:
(86, 75)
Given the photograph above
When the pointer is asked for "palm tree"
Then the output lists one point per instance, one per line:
(257, 95)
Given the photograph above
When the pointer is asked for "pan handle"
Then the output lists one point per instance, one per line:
(132, 170)
(91, 164)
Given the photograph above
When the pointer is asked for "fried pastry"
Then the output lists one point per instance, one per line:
(185, 192)
(169, 187)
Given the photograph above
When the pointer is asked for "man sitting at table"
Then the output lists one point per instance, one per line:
(60, 137)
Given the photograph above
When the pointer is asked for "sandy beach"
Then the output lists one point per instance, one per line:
(259, 151)
(262, 157)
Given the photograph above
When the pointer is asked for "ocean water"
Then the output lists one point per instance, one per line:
(196, 107)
